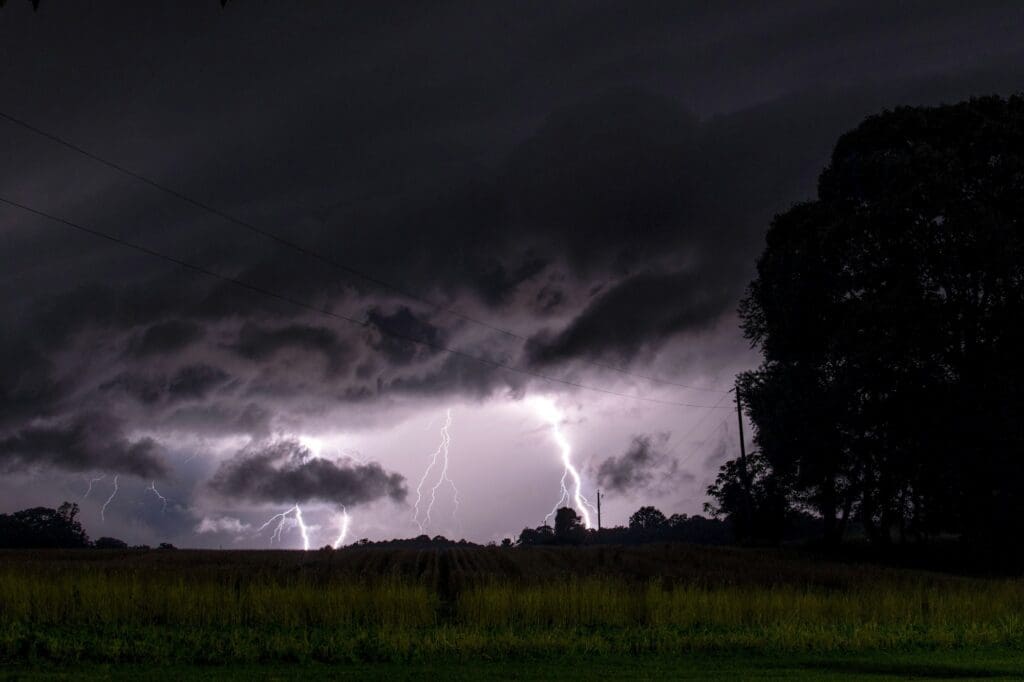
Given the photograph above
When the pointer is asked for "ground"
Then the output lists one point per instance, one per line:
(649, 612)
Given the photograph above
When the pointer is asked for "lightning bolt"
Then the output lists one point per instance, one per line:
(282, 522)
(553, 416)
(440, 453)
(152, 489)
(103, 509)
(302, 528)
(342, 528)
(88, 490)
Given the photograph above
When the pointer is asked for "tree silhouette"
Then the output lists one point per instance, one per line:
(110, 543)
(646, 519)
(568, 527)
(41, 527)
(887, 313)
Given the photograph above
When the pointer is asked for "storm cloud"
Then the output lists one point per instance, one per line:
(645, 310)
(644, 463)
(285, 473)
(87, 443)
(165, 337)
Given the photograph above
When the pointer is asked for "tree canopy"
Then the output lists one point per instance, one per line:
(888, 316)
(41, 527)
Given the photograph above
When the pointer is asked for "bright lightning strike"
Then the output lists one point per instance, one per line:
(342, 528)
(441, 453)
(152, 489)
(302, 528)
(88, 490)
(283, 520)
(553, 416)
(103, 509)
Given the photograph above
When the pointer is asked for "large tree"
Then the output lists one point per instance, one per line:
(889, 314)
(41, 527)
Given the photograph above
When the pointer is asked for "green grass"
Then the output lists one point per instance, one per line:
(877, 666)
(435, 609)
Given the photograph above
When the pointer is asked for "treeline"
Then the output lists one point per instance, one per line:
(888, 315)
(45, 528)
(647, 524)
(418, 542)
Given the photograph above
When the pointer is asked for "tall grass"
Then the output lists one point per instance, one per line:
(96, 598)
(972, 613)
(251, 612)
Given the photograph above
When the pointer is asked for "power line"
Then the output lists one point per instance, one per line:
(306, 306)
(703, 446)
(696, 424)
(332, 262)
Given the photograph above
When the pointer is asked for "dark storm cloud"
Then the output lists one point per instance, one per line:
(458, 376)
(285, 473)
(28, 388)
(256, 342)
(608, 180)
(192, 382)
(644, 463)
(89, 442)
(644, 310)
(195, 381)
(221, 418)
(144, 389)
(165, 337)
(404, 337)
(495, 283)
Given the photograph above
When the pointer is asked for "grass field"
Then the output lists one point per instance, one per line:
(471, 612)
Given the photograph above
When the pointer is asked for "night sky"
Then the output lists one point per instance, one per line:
(565, 189)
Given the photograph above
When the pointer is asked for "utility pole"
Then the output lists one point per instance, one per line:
(598, 510)
(744, 472)
(739, 418)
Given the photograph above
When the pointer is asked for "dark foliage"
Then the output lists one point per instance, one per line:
(41, 527)
(646, 525)
(418, 542)
(888, 315)
(569, 528)
(110, 543)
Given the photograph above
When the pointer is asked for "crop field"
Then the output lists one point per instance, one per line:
(557, 611)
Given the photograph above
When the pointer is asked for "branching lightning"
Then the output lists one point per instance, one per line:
(152, 489)
(440, 453)
(553, 416)
(96, 479)
(283, 520)
(103, 509)
(343, 524)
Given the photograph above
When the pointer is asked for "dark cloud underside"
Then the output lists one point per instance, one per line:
(284, 473)
(89, 443)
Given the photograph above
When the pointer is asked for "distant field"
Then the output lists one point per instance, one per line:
(672, 605)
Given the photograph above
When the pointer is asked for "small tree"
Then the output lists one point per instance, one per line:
(646, 519)
(568, 527)
(541, 535)
(756, 514)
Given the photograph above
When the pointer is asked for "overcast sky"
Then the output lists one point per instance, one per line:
(555, 191)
